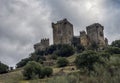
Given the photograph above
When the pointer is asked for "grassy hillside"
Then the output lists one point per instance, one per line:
(17, 77)
(11, 77)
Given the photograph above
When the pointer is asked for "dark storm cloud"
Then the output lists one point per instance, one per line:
(85, 12)
(112, 19)
(24, 22)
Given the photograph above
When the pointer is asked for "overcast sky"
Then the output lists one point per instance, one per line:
(25, 22)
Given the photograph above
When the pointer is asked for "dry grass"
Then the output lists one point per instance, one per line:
(72, 58)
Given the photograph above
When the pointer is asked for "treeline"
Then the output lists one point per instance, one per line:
(86, 60)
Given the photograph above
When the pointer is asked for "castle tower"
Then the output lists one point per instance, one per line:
(42, 45)
(96, 34)
(84, 40)
(62, 32)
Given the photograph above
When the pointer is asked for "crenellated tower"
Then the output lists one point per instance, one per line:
(62, 32)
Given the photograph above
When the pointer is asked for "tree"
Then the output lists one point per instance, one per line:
(62, 62)
(37, 58)
(87, 60)
(3, 68)
(46, 71)
(23, 62)
(65, 50)
(80, 48)
(116, 43)
(113, 50)
(104, 55)
(32, 70)
(51, 49)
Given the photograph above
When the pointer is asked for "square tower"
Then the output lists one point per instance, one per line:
(96, 34)
(62, 32)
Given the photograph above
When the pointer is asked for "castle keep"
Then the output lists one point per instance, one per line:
(96, 35)
(63, 34)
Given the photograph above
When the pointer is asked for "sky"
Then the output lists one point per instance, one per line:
(25, 22)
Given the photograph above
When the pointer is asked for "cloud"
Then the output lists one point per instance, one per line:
(24, 22)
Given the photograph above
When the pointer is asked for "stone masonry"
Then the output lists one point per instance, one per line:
(62, 32)
(42, 45)
(96, 35)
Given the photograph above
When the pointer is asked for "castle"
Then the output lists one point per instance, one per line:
(42, 45)
(63, 34)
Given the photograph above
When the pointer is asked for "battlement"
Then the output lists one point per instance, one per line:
(82, 33)
(42, 45)
(64, 21)
(95, 25)
(44, 40)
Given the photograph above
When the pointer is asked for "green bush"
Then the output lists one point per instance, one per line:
(23, 62)
(63, 50)
(37, 58)
(62, 62)
(54, 57)
(80, 48)
(104, 55)
(113, 50)
(51, 49)
(32, 70)
(46, 71)
(87, 59)
(116, 43)
(3, 68)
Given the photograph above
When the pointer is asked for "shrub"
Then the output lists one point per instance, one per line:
(37, 58)
(32, 69)
(46, 71)
(62, 62)
(87, 59)
(40, 52)
(113, 50)
(80, 48)
(35, 70)
(116, 43)
(54, 57)
(104, 55)
(23, 62)
(65, 51)
(51, 49)
(3, 68)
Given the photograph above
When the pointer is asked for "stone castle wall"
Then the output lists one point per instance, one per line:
(84, 40)
(42, 45)
(62, 32)
(96, 34)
